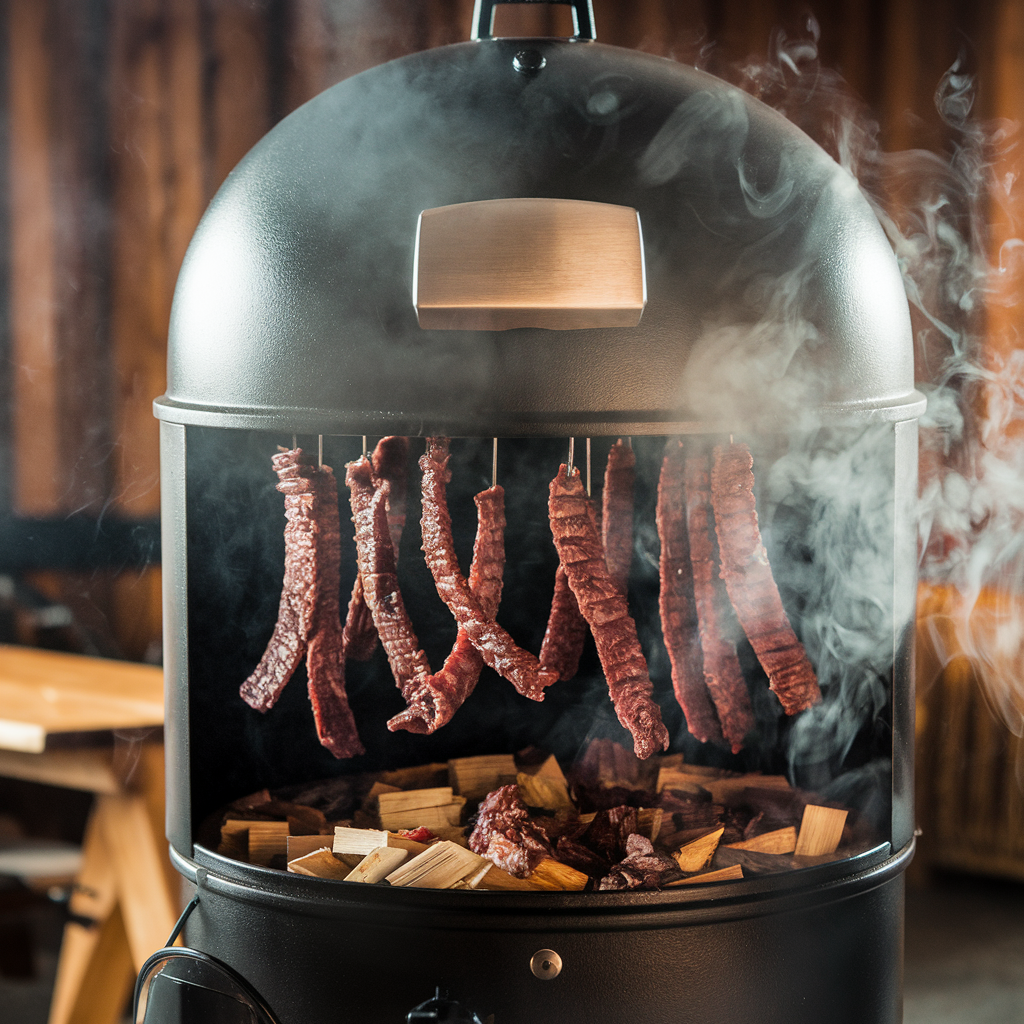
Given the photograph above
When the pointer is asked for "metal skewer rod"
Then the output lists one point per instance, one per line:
(572, 449)
(588, 467)
(364, 446)
(295, 442)
(494, 464)
(320, 452)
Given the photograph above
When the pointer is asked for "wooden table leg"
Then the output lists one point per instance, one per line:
(95, 972)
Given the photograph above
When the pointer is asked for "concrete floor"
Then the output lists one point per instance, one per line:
(964, 956)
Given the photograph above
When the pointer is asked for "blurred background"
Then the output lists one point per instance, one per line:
(119, 119)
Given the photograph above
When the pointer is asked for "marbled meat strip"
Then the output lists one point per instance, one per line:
(722, 671)
(603, 605)
(676, 601)
(325, 656)
(461, 671)
(505, 835)
(291, 632)
(565, 634)
(497, 648)
(617, 511)
(376, 558)
(389, 460)
(751, 586)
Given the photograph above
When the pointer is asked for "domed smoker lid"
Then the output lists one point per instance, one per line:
(772, 291)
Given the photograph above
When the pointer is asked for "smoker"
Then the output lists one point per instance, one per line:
(535, 240)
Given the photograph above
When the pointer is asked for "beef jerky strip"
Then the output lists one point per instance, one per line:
(376, 557)
(676, 601)
(389, 461)
(617, 511)
(748, 578)
(497, 648)
(565, 634)
(291, 632)
(603, 605)
(461, 671)
(722, 671)
(325, 655)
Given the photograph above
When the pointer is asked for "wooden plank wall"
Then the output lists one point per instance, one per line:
(125, 115)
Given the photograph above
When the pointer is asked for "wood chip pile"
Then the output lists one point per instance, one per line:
(507, 822)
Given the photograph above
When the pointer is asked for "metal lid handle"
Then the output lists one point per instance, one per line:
(582, 17)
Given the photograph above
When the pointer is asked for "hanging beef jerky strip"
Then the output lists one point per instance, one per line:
(325, 655)
(676, 601)
(461, 671)
(376, 557)
(565, 634)
(389, 461)
(603, 605)
(748, 578)
(497, 648)
(308, 620)
(617, 511)
(291, 632)
(722, 671)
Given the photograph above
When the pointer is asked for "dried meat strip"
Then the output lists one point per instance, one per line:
(291, 632)
(308, 620)
(603, 605)
(325, 655)
(751, 586)
(461, 671)
(376, 556)
(565, 634)
(617, 511)
(722, 671)
(389, 460)
(676, 601)
(497, 648)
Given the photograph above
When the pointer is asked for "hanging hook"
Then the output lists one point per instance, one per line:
(295, 442)
(494, 464)
(364, 446)
(588, 467)
(320, 452)
(572, 449)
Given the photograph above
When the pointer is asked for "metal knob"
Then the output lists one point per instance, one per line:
(529, 62)
(546, 964)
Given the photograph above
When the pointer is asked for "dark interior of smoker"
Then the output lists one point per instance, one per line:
(235, 565)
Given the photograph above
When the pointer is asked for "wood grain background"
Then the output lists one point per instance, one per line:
(122, 117)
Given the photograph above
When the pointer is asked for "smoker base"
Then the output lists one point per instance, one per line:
(830, 950)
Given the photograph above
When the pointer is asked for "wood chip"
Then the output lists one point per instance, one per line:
(544, 791)
(358, 840)
(438, 867)
(267, 840)
(821, 829)
(320, 864)
(722, 875)
(299, 846)
(549, 769)
(398, 800)
(697, 854)
(782, 840)
(726, 791)
(376, 866)
(648, 821)
(434, 817)
(409, 845)
(502, 881)
(475, 777)
(551, 874)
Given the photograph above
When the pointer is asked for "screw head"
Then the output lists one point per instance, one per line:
(528, 62)
(546, 964)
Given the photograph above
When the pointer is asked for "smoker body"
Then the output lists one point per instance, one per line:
(775, 311)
